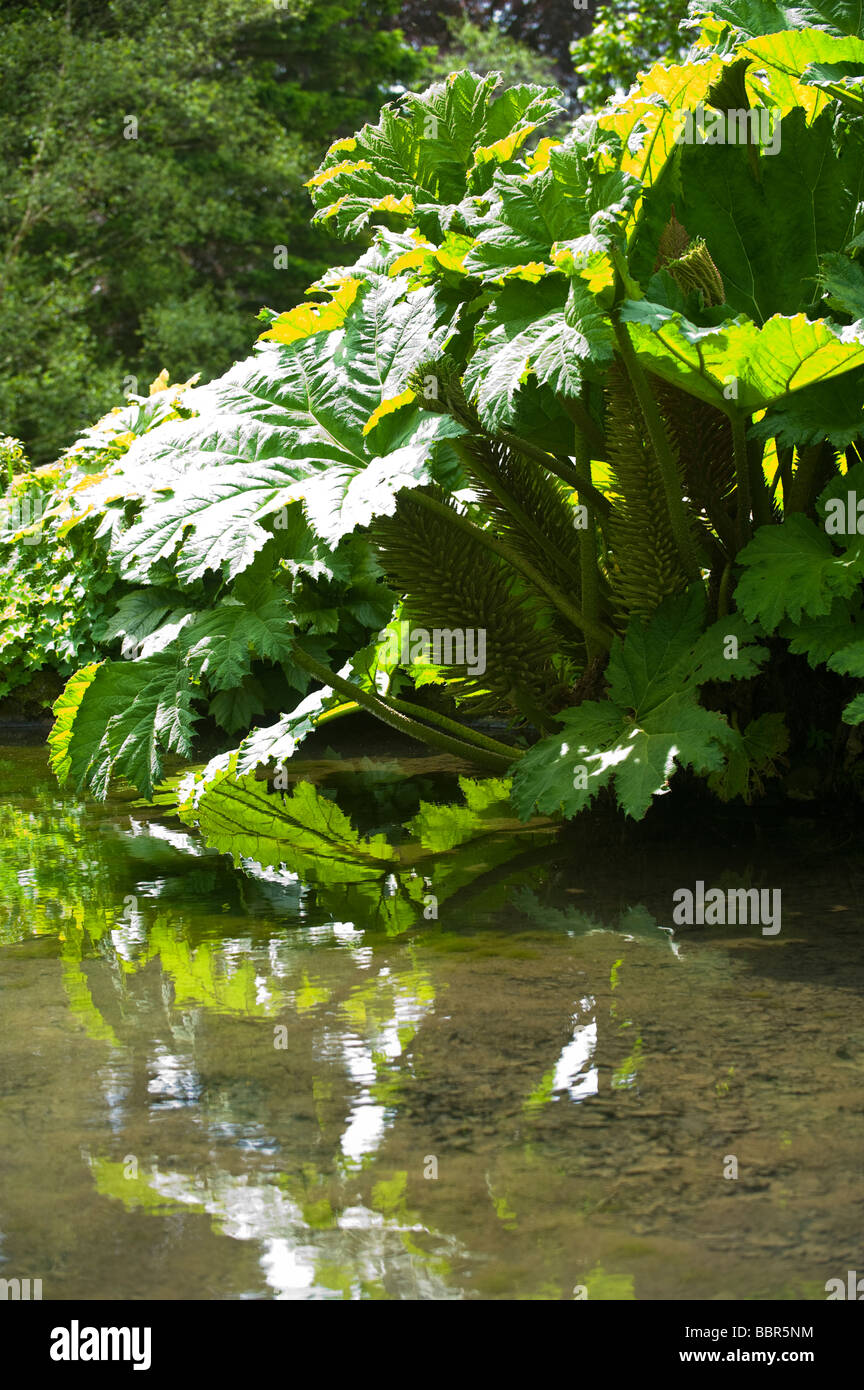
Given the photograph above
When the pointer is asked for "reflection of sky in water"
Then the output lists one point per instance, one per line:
(289, 1269)
(129, 937)
(570, 1070)
(367, 1127)
(365, 1035)
(151, 888)
(115, 1083)
(368, 1046)
(292, 1251)
(368, 1121)
(173, 1083)
(178, 839)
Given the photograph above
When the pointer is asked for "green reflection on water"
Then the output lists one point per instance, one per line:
(283, 1052)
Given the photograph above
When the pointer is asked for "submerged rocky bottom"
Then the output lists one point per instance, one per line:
(229, 1084)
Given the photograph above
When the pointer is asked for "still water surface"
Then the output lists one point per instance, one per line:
(219, 1085)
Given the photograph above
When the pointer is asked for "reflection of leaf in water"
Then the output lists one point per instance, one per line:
(636, 921)
(603, 1287)
(111, 1181)
(487, 808)
(287, 1211)
(367, 881)
(543, 1093)
(372, 905)
(303, 829)
(47, 863)
(377, 793)
(201, 975)
(388, 1195)
(81, 1000)
(310, 995)
(626, 1072)
(503, 1210)
(319, 1216)
(443, 827)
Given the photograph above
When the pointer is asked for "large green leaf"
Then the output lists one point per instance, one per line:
(254, 621)
(525, 215)
(548, 331)
(362, 879)
(146, 620)
(792, 570)
(754, 17)
(758, 364)
(843, 283)
(285, 425)
(832, 410)
(652, 722)
(572, 204)
(66, 709)
(514, 115)
(844, 81)
(648, 120)
(757, 757)
(819, 638)
(425, 151)
(119, 719)
(277, 743)
(374, 667)
(304, 830)
(836, 638)
(767, 235)
(797, 67)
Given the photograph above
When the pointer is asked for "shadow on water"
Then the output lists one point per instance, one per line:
(475, 1060)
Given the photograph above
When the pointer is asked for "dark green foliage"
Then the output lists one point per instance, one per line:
(126, 248)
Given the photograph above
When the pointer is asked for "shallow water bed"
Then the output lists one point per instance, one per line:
(216, 1085)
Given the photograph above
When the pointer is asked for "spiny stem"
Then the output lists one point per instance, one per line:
(489, 480)
(492, 745)
(588, 563)
(338, 712)
(742, 477)
(590, 432)
(542, 721)
(562, 468)
(803, 483)
(763, 511)
(662, 452)
(460, 748)
(567, 609)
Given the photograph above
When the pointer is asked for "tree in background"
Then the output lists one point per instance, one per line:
(517, 28)
(588, 50)
(488, 50)
(623, 40)
(153, 157)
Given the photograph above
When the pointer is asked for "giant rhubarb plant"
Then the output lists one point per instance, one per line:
(591, 396)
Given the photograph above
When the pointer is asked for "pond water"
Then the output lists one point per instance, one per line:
(217, 1084)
